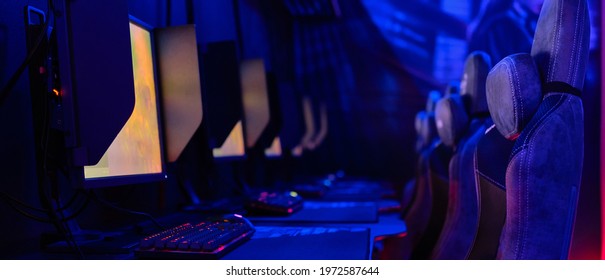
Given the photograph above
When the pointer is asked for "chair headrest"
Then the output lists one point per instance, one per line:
(452, 88)
(451, 119)
(561, 42)
(428, 131)
(472, 86)
(420, 116)
(425, 129)
(431, 100)
(513, 93)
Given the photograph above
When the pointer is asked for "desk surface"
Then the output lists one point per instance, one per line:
(305, 243)
(327, 212)
(287, 241)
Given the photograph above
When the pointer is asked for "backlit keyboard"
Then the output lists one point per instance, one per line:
(209, 239)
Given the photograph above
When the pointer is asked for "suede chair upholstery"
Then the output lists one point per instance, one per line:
(493, 152)
(432, 100)
(472, 85)
(452, 122)
(490, 162)
(545, 167)
(426, 138)
(514, 94)
(428, 130)
(462, 219)
(435, 196)
(452, 88)
(451, 119)
(418, 213)
(420, 143)
(426, 141)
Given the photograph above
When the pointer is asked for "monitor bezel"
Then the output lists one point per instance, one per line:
(115, 181)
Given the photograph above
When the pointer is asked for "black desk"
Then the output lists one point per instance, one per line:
(327, 212)
(278, 238)
(305, 243)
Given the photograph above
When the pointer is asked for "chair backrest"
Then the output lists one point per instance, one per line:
(431, 101)
(418, 214)
(472, 85)
(535, 100)
(420, 116)
(462, 219)
(426, 134)
(452, 122)
(490, 162)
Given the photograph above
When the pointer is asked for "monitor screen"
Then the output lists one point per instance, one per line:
(262, 114)
(180, 86)
(222, 98)
(255, 99)
(275, 149)
(233, 145)
(307, 140)
(136, 150)
(270, 140)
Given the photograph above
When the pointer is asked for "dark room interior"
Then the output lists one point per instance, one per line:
(301, 129)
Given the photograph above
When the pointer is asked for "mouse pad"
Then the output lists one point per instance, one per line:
(304, 243)
(328, 212)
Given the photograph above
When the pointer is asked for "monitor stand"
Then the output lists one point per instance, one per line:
(222, 206)
(88, 243)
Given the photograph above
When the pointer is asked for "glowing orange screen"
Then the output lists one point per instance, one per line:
(136, 149)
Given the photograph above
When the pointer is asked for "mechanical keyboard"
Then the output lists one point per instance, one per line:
(210, 239)
(272, 203)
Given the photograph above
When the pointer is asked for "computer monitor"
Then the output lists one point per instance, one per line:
(273, 144)
(261, 108)
(310, 128)
(254, 99)
(293, 126)
(180, 86)
(108, 95)
(135, 155)
(96, 86)
(233, 146)
(322, 132)
(222, 100)
(109, 90)
(275, 150)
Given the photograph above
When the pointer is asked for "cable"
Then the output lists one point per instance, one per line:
(10, 201)
(56, 214)
(15, 77)
(70, 239)
(111, 205)
(79, 211)
(23, 204)
(26, 214)
(69, 202)
(49, 178)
